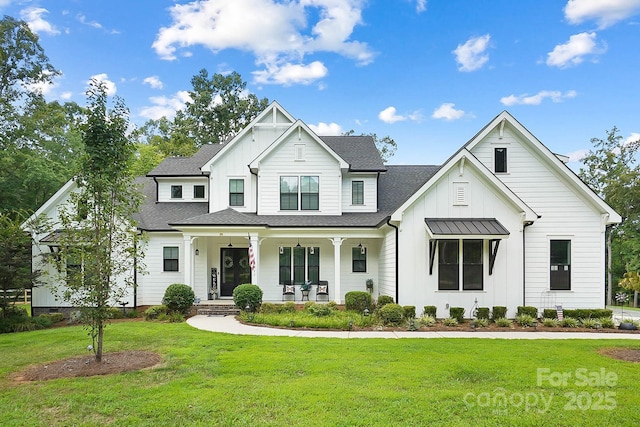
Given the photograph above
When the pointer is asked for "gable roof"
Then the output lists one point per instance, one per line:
(187, 166)
(573, 179)
(359, 151)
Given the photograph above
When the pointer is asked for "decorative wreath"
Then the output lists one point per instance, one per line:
(228, 262)
(244, 263)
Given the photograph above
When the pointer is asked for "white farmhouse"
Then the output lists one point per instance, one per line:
(504, 222)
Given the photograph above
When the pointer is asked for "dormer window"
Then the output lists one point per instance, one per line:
(176, 191)
(357, 192)
(500, 160)
(198, 191)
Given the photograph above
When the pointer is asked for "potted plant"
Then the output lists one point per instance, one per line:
(369, 285)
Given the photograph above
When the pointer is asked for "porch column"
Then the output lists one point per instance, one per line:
(188, 260)
(337, 243)
(255, 245)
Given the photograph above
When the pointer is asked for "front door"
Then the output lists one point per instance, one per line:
(235, 269)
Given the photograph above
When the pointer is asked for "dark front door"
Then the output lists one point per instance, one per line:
(234, 268)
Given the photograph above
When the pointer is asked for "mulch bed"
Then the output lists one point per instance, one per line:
(626, 354)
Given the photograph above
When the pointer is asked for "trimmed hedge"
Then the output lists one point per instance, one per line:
(429, 310)
(409, 311)
(588, 313)
(384, 300)
(357, 301)
(391, 314)
(179, 297)
(499, 312)
(549, 313)
(457, 313)
(247, 295)
(483, 313)
(527, 310)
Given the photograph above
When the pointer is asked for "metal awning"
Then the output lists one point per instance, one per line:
(465, 228)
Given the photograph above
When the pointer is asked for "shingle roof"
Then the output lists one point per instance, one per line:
(359, 151)
(186, 166)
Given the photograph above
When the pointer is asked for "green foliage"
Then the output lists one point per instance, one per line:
(499, 312)
(115, 313)
(337, 319)
(550, 322)
(528, 310)
(569, 322)
(426, 320)
(483, 313)
(482, 322)
(178, 298)
(175, 317)
(247, 295)
(319, 310)
(588, 313)
(409, 311)
(502, 322)
(386, 145)
(55, 317)
(357, 301)
(429, 310)
(457, 313)
(607, 323)
(450, 321)
(526, 320)
(132, 314)
(383, 300)
(269, 307)
(391, 314)
(549, 313)
(288, 307)
(16, 319)
(589, 323)
(155, 312)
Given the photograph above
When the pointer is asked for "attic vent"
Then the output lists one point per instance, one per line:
(298, 152)
(460, 194)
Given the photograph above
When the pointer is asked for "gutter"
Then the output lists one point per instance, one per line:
(397, 258)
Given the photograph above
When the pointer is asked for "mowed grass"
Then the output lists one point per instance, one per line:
(225, 380)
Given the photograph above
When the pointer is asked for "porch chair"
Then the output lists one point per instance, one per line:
(288, 289)
(322, 289)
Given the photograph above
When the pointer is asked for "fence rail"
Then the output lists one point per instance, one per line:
(23, 295)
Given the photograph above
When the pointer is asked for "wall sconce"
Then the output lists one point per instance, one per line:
(298, 245)
(362, 248)
(281, 250)
(312, 250)
(197, 251)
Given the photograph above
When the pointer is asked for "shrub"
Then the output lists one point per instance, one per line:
(569, 322)
(426, 320)
(270, 308)
(589, 323)
(549, 313)
(357, 301)
(154, 312)
(42, 322)
(288, 307)
(457, 313)
(247, 295)
(503, 322)
(391, 314)
(482, 322)
(607, 323)
(429, 310)
(588, 313)
(525, 320)
(550, 322)
(483, 313)
(409, 311)
(175, 317)
(56, 317)
(384, 300)
(306, 305)
(114, 313)
(320, 310)
(528, 310)
(450, 321)
(499, 312)
(333, 305)
(132, 314)
(179, 298)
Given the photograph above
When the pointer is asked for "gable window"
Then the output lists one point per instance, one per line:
(236, 192)
(560, 263)
(299, 264)
(460, 261)
(357, 192)
(170, 258)
(300, 192)
(198, 191)
(359, 259)
(176, 191)
(500, 160)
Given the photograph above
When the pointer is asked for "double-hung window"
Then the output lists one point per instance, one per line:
(309, 193)
(357, 192)
(170, 258)
(359, 259)
(236, 192)
(460, 261)
(299, 193)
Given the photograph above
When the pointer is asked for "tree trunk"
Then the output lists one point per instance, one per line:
(99, 350)
(609, 273)
(635, 299)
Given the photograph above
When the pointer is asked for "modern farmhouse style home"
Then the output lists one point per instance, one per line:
(503, 222)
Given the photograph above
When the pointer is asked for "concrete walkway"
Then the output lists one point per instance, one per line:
(229, 325)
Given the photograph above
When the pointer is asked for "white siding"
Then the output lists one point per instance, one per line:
(386, 284)
(153, 284)
(164, 189)
(370, 192)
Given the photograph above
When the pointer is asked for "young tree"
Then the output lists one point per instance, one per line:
(99, 240)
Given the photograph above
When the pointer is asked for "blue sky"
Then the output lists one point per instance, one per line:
(428, 73)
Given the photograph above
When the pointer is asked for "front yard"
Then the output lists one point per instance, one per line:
(216, 379)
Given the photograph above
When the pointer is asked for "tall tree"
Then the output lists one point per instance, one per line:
(99, 239)
(386, 145)
(611, 171)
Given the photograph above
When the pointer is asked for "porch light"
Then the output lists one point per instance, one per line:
(363, 250)
(197, 252)
(298, 245)
(312, 250)
(281, 250)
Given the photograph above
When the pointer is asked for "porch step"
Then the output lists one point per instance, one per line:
(217, 309)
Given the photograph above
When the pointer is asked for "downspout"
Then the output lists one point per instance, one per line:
(250, 171)
(524, 262)
(135, 272)
(397, 258)
(157, 190)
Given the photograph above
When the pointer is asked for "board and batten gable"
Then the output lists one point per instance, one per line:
(567, 212)
(442, 198)
(299, 154)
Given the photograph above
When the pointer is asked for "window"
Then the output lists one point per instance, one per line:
(176, 191)
(170, 258)
(357, 192)
(74, 267)
(198, 191)
(309, 193)
(313, 264)
(285, 265)
(359, 259)
(289, 193)
(293, 261)
(236, 192)
(460, 260)
(500, 160)
(298, 265)
(307, 197)
(560, 274)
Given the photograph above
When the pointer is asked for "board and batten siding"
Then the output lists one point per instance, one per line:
(153, 284)
(386, 284)
(565, 215)
(282, 162)
(370, 192)
(418, 287)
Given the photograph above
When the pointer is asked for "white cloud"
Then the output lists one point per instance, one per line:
(33, 17)
(66, 95)
(634, 137)
(288, 74)
(421, 5)
(83, 20)
(471, 55)
(327, 129)
(388, 115)
(604, 12)
(574, 51)
(526, 99)
(279, 34)
(165, 107)
(447, 111)
(578, 155)
(153, 81)
(104, 78)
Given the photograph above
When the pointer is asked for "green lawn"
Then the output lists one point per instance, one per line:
(223, 380)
